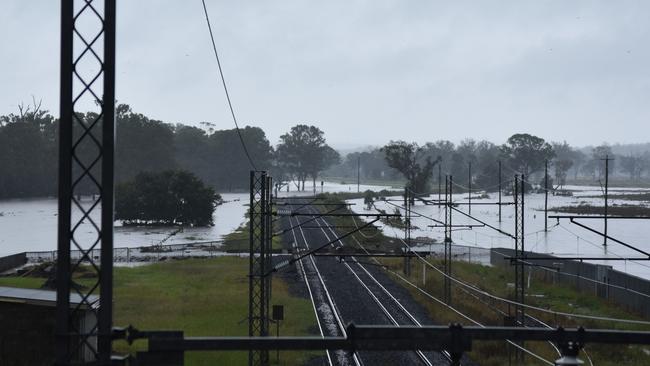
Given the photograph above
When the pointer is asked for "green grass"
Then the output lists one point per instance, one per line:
(202, 297)
(562, 298)
(23, 282)
(238, 240)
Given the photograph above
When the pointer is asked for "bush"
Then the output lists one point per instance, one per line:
(166, 198)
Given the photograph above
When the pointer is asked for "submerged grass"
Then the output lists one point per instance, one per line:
(613, 210)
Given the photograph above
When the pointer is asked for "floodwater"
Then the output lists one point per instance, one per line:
(31, 225)
(562, 239)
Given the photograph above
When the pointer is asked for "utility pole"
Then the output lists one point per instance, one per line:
(358, 173)
(448, 240)
(607, 159)
(407, 231)
(469, 186)
(439, 180)
(520, 257)
(499, 190)
(546, 195)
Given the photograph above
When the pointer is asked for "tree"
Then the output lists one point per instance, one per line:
(526, 153)
(28, 153)
(192, 152)
(487, 166)
(142, 144)
(304, 153)
(165, 198)
(598, 154)
(632, 165)
(230, 166)
(410, 160)
(561, 168)
(564, 160)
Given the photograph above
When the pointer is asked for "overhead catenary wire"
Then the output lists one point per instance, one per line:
(485, 293)
(453, 309)
(558, 271)
(440, 301)
(225, 88)
(599, 246)
(511, 302)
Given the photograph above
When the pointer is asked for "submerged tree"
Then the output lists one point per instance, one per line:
(304, 153)
(410, 159)
(526, 153)
(565, 158)
(632, 165)
(165, 198)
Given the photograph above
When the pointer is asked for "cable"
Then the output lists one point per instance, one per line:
(362, 234)
(225, 88)
(583, 278)
(599, 246)
(424, 292)
(485, 293)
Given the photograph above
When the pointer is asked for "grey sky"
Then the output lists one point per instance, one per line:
(365, 71)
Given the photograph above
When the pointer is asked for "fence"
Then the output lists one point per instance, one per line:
(136, 254)
(631, 292)
(463, 253)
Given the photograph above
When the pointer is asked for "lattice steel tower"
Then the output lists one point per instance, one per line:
(259, 285)
(86, 153)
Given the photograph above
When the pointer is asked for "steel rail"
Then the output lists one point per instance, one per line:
(355, 357)
(392, 319)
(425, 293)
(311, 296)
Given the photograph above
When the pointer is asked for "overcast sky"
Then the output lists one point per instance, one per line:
(366, 71)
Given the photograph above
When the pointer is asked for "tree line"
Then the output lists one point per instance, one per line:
(29, 152)
(521, 153)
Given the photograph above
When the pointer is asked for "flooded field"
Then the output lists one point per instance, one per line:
(562, 238)
(31, 225)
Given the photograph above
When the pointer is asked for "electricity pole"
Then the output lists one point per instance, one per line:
(469, 186)
(439, 180)
(607, 159)
(546, 195)
(358, 173)
(499, 190)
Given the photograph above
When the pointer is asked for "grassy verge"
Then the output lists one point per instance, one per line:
(238, 241)
(542, 294)
(22, 282)
(203, 297)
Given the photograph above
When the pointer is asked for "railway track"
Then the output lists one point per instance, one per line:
(378, 305)
(327, 315)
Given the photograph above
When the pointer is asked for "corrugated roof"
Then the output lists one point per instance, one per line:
(39, 297)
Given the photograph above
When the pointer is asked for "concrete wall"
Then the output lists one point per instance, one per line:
(27, 334)
(12, 261)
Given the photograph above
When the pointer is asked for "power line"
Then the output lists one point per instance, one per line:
(424, 292)
(225, 88)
